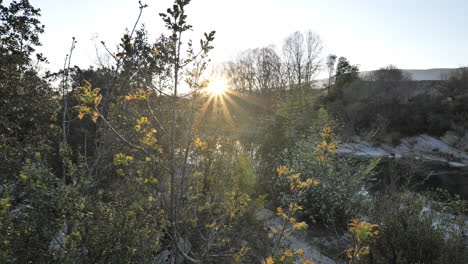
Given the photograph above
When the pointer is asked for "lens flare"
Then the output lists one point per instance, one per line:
(216, 87)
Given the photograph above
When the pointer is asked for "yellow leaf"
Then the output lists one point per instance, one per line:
(281, 170)
(299, 252)
(279, 210)
(268, 260)
(300, 226)
(130, 213)
(288, 253)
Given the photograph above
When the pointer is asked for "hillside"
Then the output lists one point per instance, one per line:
(416, 74)
(425, 74)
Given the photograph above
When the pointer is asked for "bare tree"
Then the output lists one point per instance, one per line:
(301, 53)
(293, 51)
(267, 66)
(262, 70)
(255, 71)
(313, 50)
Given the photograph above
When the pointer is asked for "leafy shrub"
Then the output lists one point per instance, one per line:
(412, 231)
(339, 195)
(32, 213)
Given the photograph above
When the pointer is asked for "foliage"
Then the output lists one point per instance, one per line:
(293, 115)
(413, 231)
(27, 102)
(339, 196)
(151, 168)
(280, 253)
(20, 29)
(364, 233)
(89, 99)
(34, 215)
(345, 74)
(387, 102)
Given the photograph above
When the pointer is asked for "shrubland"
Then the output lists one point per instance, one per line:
(137, 163)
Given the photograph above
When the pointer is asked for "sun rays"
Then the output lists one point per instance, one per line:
(225, 106)
(218, 104)
(217, 87)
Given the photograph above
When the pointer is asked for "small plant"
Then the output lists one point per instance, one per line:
(289, 223)
(338, 181)
(364, 233)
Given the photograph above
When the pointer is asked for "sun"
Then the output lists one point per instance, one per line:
(217, 87)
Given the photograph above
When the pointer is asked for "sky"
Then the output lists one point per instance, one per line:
(412, 34)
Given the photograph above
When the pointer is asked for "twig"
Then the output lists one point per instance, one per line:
(154, 117)
(129, 143)
(187, 257)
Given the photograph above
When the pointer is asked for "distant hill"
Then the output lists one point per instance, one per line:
(417, 75)
(424, 75)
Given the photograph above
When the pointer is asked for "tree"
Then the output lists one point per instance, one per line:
(241, 72)
(263, 70)
(27, 101)
(389, 84)
(162, 140)
(345, 73)
(331, 60)
(457, 83)
(268, 69)
(389, 73)
(301, 53)
(256, 71)
(20, 30)
(313, 52)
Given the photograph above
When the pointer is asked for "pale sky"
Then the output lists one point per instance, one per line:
(412, 34)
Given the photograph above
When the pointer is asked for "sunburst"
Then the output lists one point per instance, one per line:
(222, 103)
(217, 87)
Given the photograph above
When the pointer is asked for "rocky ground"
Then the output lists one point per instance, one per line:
(422, 147)
(315, 243)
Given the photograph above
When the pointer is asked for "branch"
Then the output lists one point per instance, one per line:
(108, 51)
(159, 90)
(139, 16)
(129, 143)
(187, 257)
(154, 117)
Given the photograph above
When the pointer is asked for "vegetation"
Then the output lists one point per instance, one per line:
(146, 161)
(387, 103)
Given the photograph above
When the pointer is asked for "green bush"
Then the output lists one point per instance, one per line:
(412, 231)
(339, 195)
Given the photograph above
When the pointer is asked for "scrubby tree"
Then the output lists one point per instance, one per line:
(345, 73)
(389, 73)
(27, 101)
